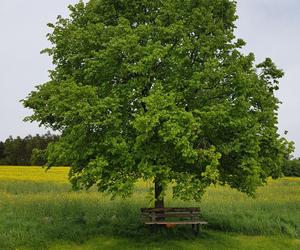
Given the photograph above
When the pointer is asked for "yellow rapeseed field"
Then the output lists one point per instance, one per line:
(34, 173)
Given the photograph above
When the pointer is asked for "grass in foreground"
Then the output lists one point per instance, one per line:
(38, 210)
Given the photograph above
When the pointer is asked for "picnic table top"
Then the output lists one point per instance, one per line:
(177, 222)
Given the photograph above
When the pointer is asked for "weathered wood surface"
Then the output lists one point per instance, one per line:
(176, 215)
(171, 209)
(180, 216)
(176, 222)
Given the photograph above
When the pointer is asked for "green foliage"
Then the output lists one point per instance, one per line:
(38, 157)
(292, 168)
(159, 90)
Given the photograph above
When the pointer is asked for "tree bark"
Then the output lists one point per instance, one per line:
(159, 201)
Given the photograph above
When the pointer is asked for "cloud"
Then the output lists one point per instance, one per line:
(271, 29)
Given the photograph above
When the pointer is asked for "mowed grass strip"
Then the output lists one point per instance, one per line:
(38, 211)
(210, 241)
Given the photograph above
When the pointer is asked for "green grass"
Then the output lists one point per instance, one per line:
(38, 210)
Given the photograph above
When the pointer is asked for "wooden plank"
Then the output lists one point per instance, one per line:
(170, 215)
(171, 209)
(176, 222)
(170, 212)
(159, 216)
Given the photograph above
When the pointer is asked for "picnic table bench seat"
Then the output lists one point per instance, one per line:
(173, 216)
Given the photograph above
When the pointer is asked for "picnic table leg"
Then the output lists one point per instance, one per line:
(153, 228)
(198, 229)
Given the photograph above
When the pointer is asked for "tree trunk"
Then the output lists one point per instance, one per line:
(159, 201)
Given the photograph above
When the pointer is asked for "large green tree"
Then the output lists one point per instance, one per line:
(159, 90)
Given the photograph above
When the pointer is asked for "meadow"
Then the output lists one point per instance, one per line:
(38, 210)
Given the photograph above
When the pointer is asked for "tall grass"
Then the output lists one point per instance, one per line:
(38, 208)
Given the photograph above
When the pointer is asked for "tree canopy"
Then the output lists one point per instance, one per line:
(159, 90)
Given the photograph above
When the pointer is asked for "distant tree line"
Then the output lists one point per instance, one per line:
(292, 167)
(30, 150)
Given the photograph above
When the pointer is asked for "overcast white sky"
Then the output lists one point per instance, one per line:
(271, 28)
